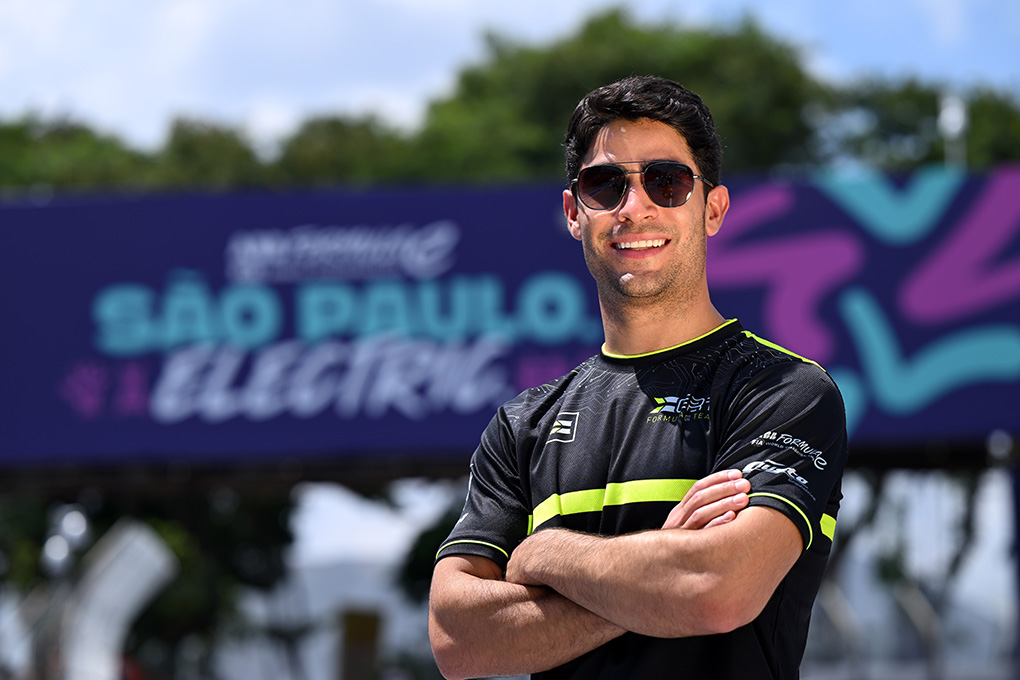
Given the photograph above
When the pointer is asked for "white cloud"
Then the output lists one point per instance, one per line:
(41, 23)
(948, 19)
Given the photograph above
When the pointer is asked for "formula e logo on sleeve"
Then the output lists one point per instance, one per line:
(802, 448)
(565, 427)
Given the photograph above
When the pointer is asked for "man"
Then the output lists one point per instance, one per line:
(586, 549)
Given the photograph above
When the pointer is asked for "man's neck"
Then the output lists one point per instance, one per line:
(634, 330)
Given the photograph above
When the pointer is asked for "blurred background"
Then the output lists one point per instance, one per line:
(268, 269)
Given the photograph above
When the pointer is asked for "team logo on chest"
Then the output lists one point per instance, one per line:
(674, 409)
(565, 427)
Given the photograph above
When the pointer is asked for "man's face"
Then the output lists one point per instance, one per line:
(639, 252)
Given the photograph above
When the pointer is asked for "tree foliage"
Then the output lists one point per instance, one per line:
(200, 154)
(506, 118)
(994, 132)
(337, 150)
(66, 154)
(890, 125)
(504, 121)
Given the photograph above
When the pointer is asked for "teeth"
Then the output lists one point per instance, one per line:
(638, 245)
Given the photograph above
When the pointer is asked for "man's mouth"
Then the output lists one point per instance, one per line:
(640, 245)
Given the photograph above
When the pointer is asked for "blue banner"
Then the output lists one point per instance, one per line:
(252, 327)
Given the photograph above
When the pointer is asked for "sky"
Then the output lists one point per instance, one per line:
(128, 68)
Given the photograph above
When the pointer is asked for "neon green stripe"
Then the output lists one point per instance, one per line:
(667, 349)
(781, 349)
(570, 503)
(490, 545)
(828, 526)
(617, 493)
(811, 532)
(647, 490)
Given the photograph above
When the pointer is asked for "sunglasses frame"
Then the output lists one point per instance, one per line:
(575, 185)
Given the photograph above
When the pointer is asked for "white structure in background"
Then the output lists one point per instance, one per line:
(76, 629)
(952, 124)
(127, 567)
(339, 612)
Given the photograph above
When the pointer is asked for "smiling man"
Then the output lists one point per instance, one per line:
(667, 508)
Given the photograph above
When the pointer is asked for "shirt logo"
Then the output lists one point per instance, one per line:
(672, 409)
(773, 468)
(802, 448)
(565, 427)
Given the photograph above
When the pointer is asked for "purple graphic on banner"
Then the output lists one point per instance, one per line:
(132, 396)
(84, 389)
(967, 273)
(798, 272)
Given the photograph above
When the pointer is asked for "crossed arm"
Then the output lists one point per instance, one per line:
(565, 593)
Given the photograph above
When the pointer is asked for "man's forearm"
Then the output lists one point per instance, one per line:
(589, 570)
(489, 627)
(666, 583)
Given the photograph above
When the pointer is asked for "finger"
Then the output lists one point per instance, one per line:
(699, 516)
(714, 492)
(713, 479)
(718, 488)
(714, 487)
(699, 498)
(722, 519)
(703, 517)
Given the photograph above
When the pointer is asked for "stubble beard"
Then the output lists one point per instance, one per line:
(675, 287)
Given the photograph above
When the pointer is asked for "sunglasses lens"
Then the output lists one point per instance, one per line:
(600, 187)
(669, 184)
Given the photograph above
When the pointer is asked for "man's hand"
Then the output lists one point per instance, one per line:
(712, 501)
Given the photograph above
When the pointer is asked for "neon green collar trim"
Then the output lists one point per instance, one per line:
(665, 349)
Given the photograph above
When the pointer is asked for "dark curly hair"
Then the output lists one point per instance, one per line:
(649, 97)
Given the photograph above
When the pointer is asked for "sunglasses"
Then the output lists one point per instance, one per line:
(669, 184)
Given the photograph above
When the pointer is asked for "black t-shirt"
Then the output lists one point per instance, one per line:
(614, 445)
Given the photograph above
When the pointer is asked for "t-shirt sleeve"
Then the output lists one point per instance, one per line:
(786, 431)
(495, 518)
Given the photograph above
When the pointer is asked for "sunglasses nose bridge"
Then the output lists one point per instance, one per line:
(636, 188)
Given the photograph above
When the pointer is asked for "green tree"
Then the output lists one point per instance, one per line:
(993, 131)
(506, 118)
(336, 150)
(204, 155)
(65, 154)
(888, 125)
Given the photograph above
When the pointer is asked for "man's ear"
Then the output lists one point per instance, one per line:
(716, 206)
(570, 212)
